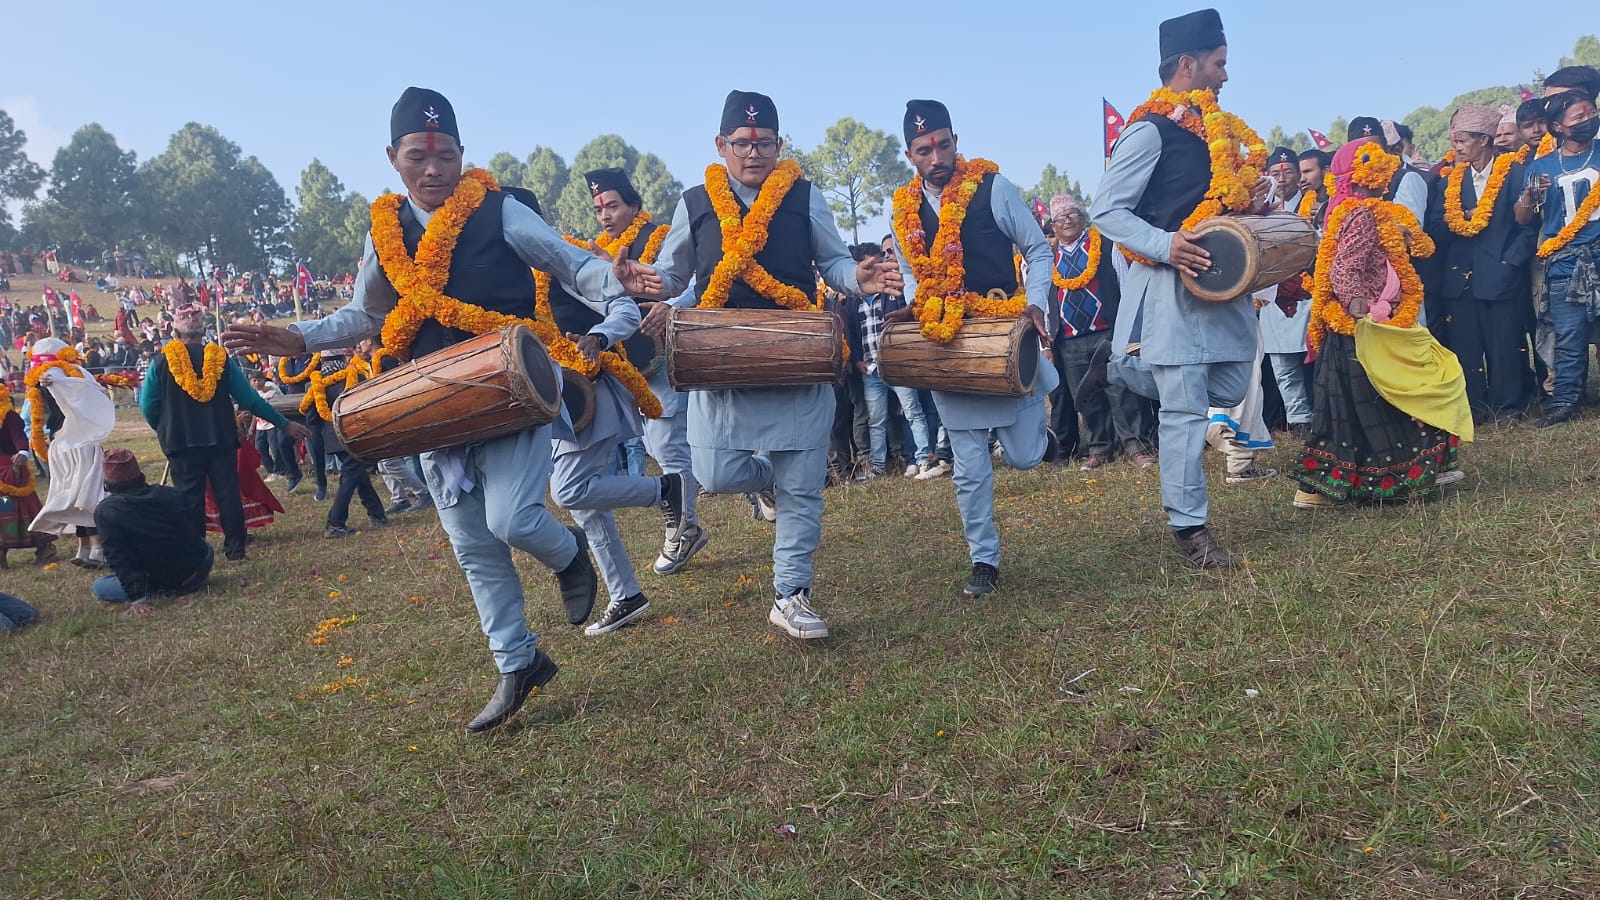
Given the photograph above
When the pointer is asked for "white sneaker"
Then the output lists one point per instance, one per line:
(937, 470)
(795, 615)
(676, 554)
(1450, 477)
(911, 471)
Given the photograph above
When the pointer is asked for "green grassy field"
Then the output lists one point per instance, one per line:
(1381, 702)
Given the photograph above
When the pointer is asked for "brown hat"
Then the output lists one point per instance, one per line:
(121, 466)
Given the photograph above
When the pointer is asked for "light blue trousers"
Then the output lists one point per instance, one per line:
(579, 483)
(796, 477)
(667, 440)
(1187, 395)
(1289, 371)
(1022, 444)
(504, 509)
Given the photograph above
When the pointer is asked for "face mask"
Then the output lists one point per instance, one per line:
(1585, 132)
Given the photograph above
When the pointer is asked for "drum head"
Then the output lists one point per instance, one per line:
(1229, 262)
(577, 394)
(536, 365)
(1028, 361)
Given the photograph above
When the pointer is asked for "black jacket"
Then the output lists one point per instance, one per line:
(152, 539)
(1492, 265)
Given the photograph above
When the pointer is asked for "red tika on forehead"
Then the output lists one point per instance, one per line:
(430, 141)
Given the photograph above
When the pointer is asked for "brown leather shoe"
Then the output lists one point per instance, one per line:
(1201, 549)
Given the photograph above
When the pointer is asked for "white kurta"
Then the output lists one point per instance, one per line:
(77, 484)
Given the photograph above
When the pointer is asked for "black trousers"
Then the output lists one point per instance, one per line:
(317, 450)
(192, 469)
(1063, 407)
(354, 479)
(1488, 337)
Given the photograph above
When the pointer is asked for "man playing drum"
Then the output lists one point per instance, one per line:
(1155, 190)
(490, 495)
(581, 480)
(992, 219)
(786, 222)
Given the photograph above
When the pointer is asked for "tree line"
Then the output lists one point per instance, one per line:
(204, 200)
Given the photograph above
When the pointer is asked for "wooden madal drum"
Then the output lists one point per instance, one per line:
(577, 395)
(1249, 253)
(288, 404)
(487, 387)
(717, 349)
(987, 356)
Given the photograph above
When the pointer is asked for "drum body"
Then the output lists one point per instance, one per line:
(1249, 253)
(987, 356)
(718, 349)
(487, 387)
(288, 404)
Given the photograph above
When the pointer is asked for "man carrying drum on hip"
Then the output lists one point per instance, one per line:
(787, 218)
(1192, 355)
(490, 495)
(950, 188)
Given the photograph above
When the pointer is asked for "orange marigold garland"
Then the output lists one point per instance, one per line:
(1586, 211)
(1395, 225)
(1082, 279)
(1547, 146)
(1308, 204)
(317, 391)
(1373, 167)
(1233, 175)
(111, 380)
(214, 360)
(745, 236)
(283, 369)
(942, 300)
(1455, 216)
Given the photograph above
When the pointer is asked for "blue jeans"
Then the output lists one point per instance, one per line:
(109, 588)
(1571, 323)
(15, 613)
(877, 391)
(938, 437)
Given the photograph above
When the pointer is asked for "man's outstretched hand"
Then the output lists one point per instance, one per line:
(243, 337)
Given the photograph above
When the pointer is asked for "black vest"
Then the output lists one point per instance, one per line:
(1181, 177)
(574, 316)
(484, 271)
(787, 257)
(187, 423)
(986, 253)
(331, 367)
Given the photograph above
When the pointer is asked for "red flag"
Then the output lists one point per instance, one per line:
(1319, 139)
(1526, 94)
(76, 304)
(1114, 123)
(1040, 211)
(302, 280)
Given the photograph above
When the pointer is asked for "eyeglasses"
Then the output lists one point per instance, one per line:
(1064, 218)
(765, 149)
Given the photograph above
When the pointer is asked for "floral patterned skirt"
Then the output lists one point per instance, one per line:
(1361, 447)
(17, 512)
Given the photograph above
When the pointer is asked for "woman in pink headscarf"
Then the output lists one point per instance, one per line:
(1390, 406)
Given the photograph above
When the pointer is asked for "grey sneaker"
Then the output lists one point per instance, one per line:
(1251, 473)
(676, 554)
(795, 615)
(763, 506)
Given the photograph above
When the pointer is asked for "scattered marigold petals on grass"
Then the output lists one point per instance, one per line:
(349, 681)
(334, 595)
(729, 604)
(939, 733)
(411, 748)
(329, 626)
(51, 567)
(345, 661)
(417, 598)
(342, 577)
(670, 620)
(1367, 849)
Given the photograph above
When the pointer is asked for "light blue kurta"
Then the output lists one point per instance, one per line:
(1178, 330)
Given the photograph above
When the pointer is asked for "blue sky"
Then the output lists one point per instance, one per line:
(292, 80)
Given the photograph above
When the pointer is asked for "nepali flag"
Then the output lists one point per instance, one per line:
(1318, 139)
(1526, 94)
(1040, 211)
(302, 280)
(1113, 124)
(76, 304)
